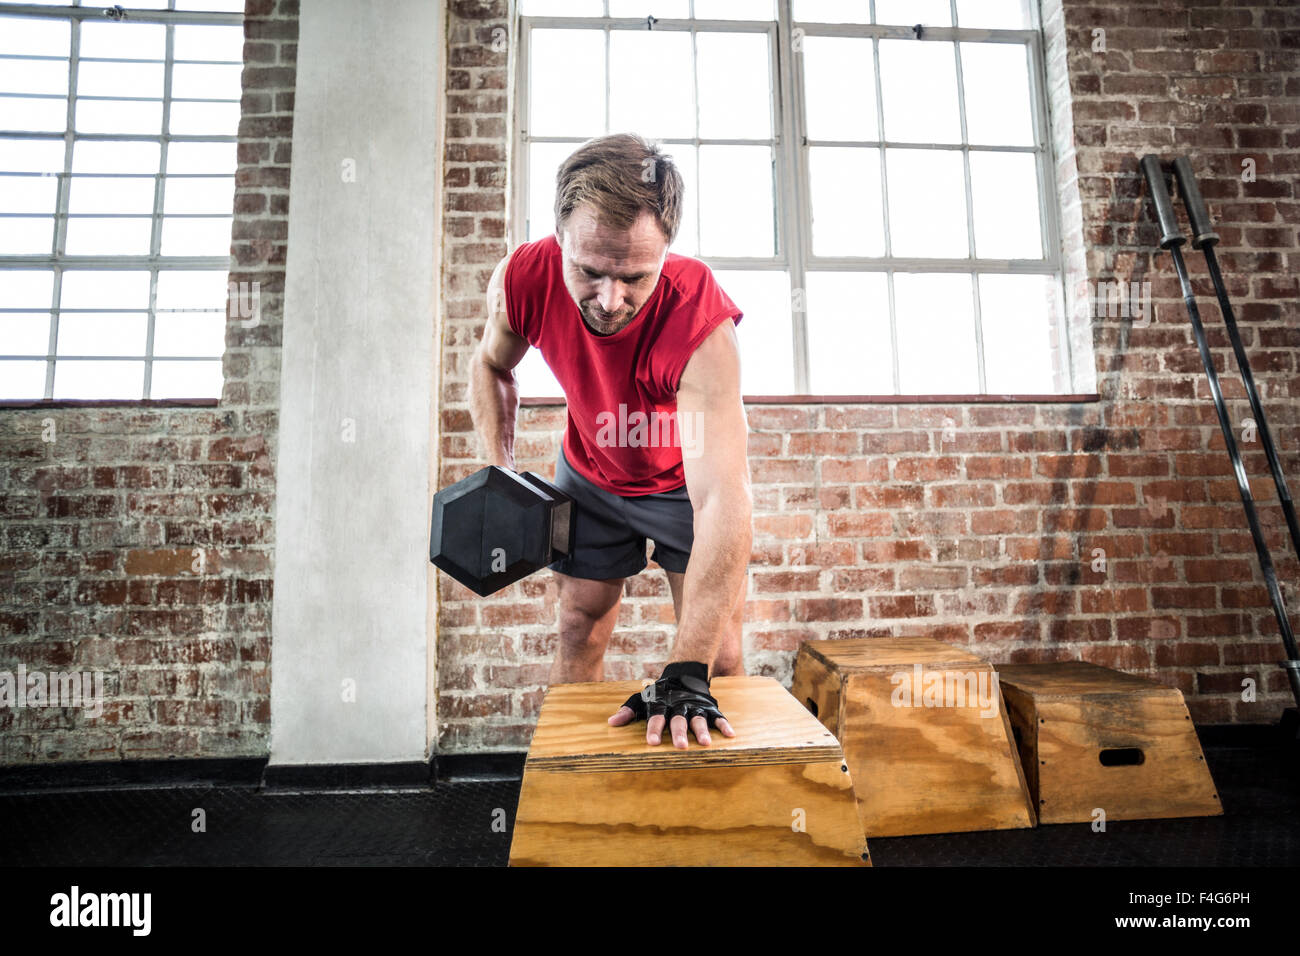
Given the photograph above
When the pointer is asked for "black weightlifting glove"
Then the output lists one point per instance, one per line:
(682, 691)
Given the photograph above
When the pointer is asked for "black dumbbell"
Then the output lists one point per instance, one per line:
(496, 526)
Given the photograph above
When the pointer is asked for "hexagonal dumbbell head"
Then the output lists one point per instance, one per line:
(495, 527)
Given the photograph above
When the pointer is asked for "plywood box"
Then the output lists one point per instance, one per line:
(776, 794)
(1092, 739)
(924, 732)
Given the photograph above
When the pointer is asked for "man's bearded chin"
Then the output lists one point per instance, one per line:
(595, 315)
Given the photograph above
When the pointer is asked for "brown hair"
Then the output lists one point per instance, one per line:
(621, 175)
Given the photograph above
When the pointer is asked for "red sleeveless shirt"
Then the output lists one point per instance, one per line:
(621, 389)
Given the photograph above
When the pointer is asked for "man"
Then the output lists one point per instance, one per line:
(643, 343)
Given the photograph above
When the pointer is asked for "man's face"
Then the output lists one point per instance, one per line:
(609, 272)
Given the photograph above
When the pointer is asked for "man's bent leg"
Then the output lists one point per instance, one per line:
(588, 610)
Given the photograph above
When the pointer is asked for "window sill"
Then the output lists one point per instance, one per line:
(109, 402)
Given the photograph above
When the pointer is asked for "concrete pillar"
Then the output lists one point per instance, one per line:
(352, 604)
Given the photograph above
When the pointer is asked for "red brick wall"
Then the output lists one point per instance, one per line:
(869, 520)
(139, 542)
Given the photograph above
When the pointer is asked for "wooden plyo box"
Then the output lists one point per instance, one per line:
(928, 751)
(776, 794)
(1095, 738)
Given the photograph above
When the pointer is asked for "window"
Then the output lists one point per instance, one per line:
(117, 162)
(877, 198)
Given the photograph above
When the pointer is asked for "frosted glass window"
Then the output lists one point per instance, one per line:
(935, 323)
(766, 329)
(846, 201)
(848, 315)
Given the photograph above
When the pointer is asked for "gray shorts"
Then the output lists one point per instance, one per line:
(610, 531)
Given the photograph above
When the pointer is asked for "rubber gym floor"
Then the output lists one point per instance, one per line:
(48, 818)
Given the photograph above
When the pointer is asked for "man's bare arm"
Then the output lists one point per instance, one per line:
(717, 480)
(493, 390)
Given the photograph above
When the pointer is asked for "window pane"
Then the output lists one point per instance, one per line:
(31, 155)
(839, 88)
(189, 333)
(28, 194)
(24, 334)
(933, 13)
(29, 114)
(735, 85)
(927, 203)
(199, 194)
(543, 162)
(108, 237)
(198, 119)
(736, 205)
(993, 14)
(119, 79)
(535, 378)
(919, 90)
(94, 194)
(207, 81)
(34, 76)
(849, 348)
(98, 379)
(996, 81)
(650, 83)
(105, 289)
(27, 288)
(562, 8)
(106, 333)
(1004, 191)
(27, 237)
(92, 156)
(201, 158)
(191, 289)
(832, 11)
(565, 97)
(844, 184)
(662, 9)
(208, 42)
(196, 237)
(120, 116)
(765, 333)
(1017, 315)
(22, 379)
(219, 6)
(734, 10)
(186, 380)
(687, 161)
(935, 320)
(35, 36)
(130, 41)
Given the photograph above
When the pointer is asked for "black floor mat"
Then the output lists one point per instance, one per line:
(467, 823)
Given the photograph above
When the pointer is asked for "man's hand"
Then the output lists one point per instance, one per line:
(680, 699)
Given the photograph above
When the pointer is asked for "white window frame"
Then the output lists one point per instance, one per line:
(790, 151)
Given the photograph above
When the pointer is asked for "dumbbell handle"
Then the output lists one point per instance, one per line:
(560, 514)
